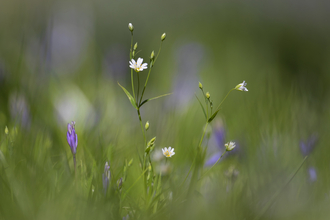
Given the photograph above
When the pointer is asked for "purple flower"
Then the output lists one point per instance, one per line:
(307, 147)
(219, 134)
(106, 177)
(312, 174)
(72, 138)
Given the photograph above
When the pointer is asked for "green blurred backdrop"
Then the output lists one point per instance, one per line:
(61, 61)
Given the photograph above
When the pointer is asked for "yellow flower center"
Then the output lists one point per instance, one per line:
(167, 154)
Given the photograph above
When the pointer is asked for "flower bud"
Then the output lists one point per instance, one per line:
(135, 46)
(151, 144)
(130, 162)
(133, 54)
(162, 38)
(230, 146)
(147, 126)
(6, 130)
(207, 95)
(200, 85)
(152, 56)
(130, 27)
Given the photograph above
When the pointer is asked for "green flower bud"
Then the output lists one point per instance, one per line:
(152, 56)
(207, 95)
(6, 130)
(133, 54)
(200, 85)
(147, 126)
(162, 38)
(130, 162)
(135, 46)
(151, 144)
(130, 27)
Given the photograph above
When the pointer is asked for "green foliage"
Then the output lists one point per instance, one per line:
(287, 102)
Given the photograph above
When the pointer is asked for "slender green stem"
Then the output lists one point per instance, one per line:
(144, 136)
(150, 67)
(131, 57)
(224, 99)
(145, 85)
(144, 177)
(134, 184)
(192, 165)
(138, 88)
(273, 198)
(207, 108)
(132, 83)
(200, 143)
(74, 163)
(160, 47)
(212, 166)
(205, 127)
(131, 51)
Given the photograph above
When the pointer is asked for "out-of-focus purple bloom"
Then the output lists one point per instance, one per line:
(219, 137)
(191, 58)
(126, 217)
(72, 137)
(213, 159)
(308, 146)
(312, 174)
(106, 177)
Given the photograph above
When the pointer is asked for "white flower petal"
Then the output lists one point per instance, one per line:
(139, 61)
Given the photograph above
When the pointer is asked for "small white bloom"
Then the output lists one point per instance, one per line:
(138, 66)
(242, 87)
(230, 146)
(130, 27)
(168, 152)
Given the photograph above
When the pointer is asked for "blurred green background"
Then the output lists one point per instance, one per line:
(61, 61)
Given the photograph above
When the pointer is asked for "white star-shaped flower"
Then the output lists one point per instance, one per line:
(242, 87)
(168, 152)
(138, 66)
(230, 146)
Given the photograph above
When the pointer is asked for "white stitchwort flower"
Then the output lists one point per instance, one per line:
(242, 87)
(138, 66)
(168, 152)
(230, 146)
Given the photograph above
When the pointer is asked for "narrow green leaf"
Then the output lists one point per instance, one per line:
(201, 106)
(130, 97)
(127, 191)
(213, 116)
(147, 100)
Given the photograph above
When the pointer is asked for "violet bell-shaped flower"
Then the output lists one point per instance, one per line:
(106, 177)
(72, 137)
